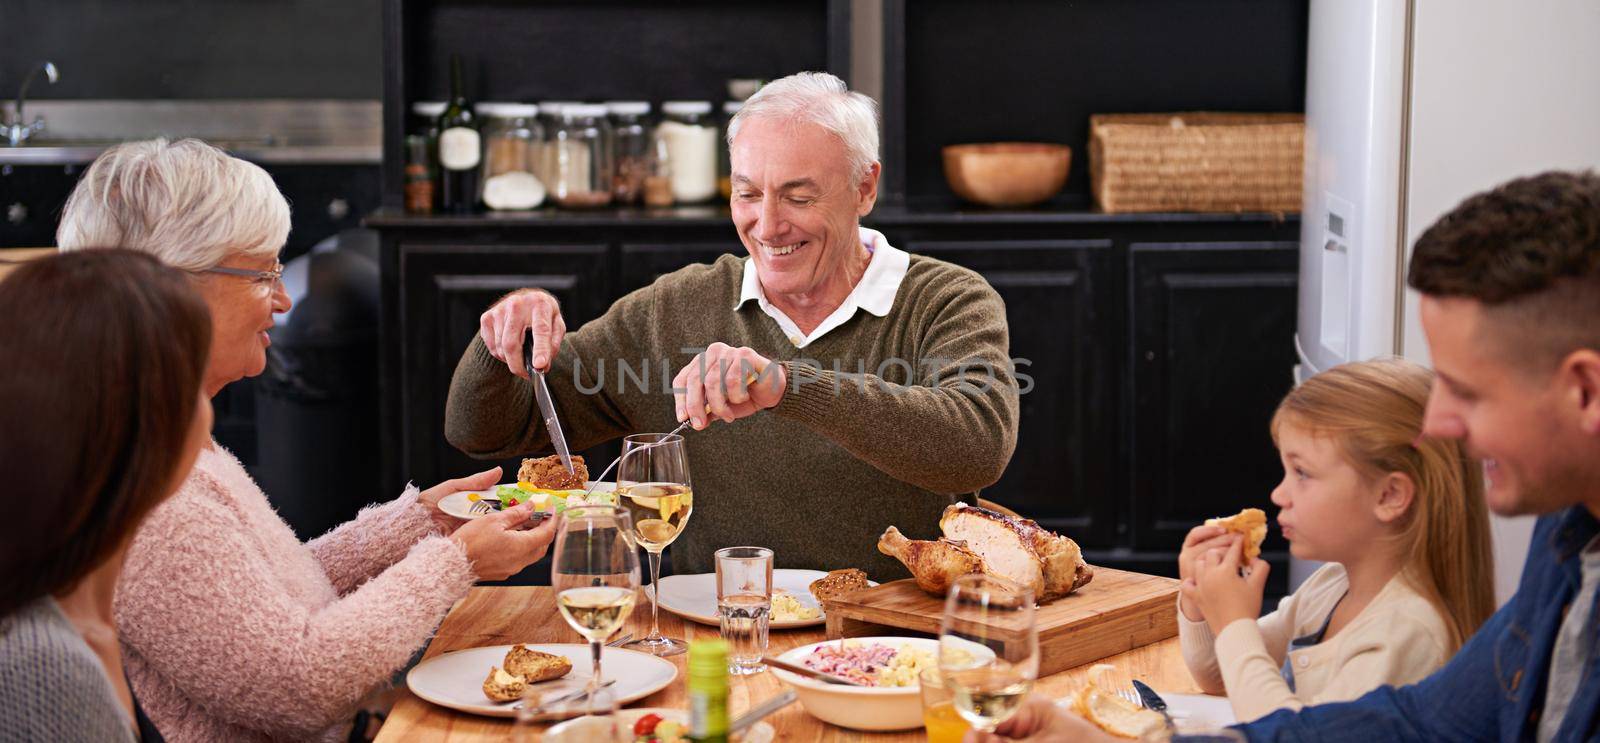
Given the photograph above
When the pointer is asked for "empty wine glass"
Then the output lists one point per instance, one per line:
(595, 573)
(653, 485)
(988, 648)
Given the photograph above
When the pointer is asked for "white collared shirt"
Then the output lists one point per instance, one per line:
(874, 293)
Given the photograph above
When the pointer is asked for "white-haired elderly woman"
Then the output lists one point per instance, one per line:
(870, 387)
(233, 629)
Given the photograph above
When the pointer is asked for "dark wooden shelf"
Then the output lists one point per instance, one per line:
(715, 215)
(673, 216)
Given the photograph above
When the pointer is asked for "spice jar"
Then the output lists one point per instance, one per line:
(549, 122)
(512, 139)
(630, 148)
(691, 139)
(724, 164)
(419, 174)
(658, 183)
(583, 157)
(422, 157)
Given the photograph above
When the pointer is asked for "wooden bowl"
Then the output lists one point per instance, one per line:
(1007, 173)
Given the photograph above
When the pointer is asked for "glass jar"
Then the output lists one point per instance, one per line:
(425, 118)
(512, 139)
(419, 175)
(658, 182)
(550, 121)
(630, 140)
(691, 139)
(583, 157)
(422, 157)
(724, 164)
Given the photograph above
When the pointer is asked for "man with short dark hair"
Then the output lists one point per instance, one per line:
(1511, 306)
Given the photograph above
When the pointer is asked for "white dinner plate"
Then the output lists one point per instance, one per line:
(1200, 707)
(694, 597)
(455, 680)
(457, 504)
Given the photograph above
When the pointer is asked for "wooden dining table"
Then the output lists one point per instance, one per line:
(501, 615)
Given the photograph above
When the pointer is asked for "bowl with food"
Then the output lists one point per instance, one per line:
(886, 668)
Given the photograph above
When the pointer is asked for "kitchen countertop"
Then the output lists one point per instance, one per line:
(68, 153)
(277, 131)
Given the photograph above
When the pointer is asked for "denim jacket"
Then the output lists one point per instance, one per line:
(1494, 688)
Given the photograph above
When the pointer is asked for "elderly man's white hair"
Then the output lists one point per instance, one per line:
(187, 202)
(822, 99)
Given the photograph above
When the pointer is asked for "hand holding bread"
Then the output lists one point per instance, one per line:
(1200, 540)
(1222, 591)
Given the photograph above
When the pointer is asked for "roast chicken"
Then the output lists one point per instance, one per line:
(978, 540)
(935, 563)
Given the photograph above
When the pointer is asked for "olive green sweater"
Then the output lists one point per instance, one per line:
(840, 458)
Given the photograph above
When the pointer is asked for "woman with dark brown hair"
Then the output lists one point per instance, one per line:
(101, 417)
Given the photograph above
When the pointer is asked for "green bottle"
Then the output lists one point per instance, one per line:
(708, 691)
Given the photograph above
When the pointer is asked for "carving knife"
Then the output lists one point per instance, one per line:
(547, 406)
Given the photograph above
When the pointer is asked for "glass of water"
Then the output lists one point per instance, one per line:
(744, 605)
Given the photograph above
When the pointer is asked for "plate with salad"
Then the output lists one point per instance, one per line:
(501, 497)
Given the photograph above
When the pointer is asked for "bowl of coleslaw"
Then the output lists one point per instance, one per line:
(887, 668)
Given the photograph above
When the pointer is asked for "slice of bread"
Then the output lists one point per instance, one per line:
(1098, 702)
(502, 686)
(533, 666)
(838, 583)
(1252, 523)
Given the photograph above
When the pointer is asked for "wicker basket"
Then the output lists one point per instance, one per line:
(1197, 162)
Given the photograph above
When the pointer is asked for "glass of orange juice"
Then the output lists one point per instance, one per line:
(939, 714)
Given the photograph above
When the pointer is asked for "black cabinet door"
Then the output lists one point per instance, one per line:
(1213, 352)
(643, 263)
(444, 290)
(1060, 301)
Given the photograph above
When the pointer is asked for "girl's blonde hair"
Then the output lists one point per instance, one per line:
(1373, 411)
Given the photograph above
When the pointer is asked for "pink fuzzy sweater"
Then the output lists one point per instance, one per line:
(235, 630)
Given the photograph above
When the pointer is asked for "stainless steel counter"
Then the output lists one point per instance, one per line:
(266, 131)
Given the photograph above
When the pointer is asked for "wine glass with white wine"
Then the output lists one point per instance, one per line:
(653, 485)
(595, 573)
(988, 648)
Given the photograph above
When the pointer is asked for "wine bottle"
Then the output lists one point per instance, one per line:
(460, 148)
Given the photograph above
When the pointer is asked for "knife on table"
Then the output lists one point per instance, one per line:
(1152, 700)
(547, 406)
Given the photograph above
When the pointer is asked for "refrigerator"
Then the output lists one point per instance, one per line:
(1411, 106)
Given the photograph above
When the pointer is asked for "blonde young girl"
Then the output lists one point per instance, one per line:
(1402, 525)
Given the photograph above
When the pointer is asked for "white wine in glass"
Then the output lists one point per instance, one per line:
(595, 573)
(988, 648)
(659, 510)
(653, 485)
(596, 612)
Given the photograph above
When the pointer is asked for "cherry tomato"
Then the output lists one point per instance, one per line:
(646, 725)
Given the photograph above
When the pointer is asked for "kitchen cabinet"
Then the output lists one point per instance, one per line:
(447, 287)
(1059, 300)
(1211, 329)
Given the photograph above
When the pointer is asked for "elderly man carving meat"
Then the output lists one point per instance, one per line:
(854, 386)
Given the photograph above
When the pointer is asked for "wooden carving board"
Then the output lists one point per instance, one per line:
(1118, 611)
